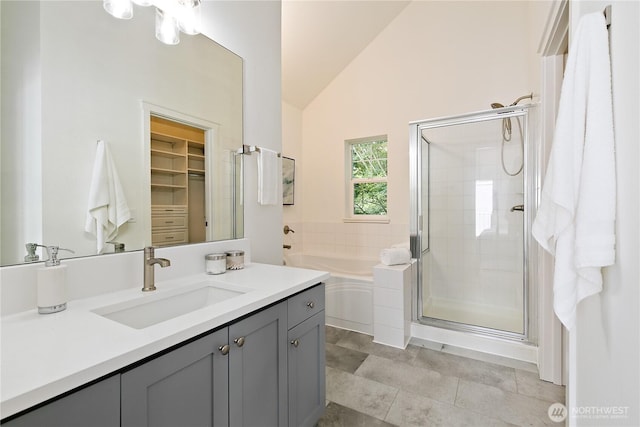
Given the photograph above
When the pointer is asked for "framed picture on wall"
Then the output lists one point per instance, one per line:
(288, 180)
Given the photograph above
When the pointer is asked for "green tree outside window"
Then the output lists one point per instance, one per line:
(369, 176)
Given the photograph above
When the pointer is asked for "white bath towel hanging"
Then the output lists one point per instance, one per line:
(107, 209)
(269, 177)
(575, 220)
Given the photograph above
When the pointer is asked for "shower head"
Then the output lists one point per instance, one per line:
(498, 105)
(530, 96)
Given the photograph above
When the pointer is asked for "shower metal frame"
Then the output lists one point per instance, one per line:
(531, 194)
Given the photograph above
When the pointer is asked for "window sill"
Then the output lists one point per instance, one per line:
(380, 220)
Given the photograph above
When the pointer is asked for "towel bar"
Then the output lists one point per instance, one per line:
(248, 149)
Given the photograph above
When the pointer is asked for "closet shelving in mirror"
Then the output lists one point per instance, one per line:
(168, 170)
(195, 159)
(177, 187)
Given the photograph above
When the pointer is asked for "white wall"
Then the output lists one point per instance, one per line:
(606, 346)
(292, 147)
(252, 30)
(434, 59)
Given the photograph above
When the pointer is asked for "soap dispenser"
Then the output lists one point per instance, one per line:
(52, 283)
(31, 255)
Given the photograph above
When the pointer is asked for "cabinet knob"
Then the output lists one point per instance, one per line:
(239, 341)
(295, 343)
(310, 304)
(224, 349)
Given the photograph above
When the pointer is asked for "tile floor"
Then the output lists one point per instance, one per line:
(370, 384)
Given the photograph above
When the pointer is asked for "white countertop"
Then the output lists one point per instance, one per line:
(43, 356)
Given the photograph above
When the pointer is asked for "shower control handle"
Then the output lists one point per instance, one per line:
(518, 208)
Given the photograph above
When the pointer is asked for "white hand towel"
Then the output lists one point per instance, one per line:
(107, 209)
(269, 178)
(575, 220)
(395, 256)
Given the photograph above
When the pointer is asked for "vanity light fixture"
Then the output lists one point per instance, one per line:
(166, 28)
(121, 9)
(189, 16)
(172, 16)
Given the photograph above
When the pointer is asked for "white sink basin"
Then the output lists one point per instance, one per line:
(151, 309)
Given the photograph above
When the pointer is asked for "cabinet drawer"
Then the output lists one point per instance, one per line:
(169, 238)
(168, 210)
(168, 221)
(305, 304)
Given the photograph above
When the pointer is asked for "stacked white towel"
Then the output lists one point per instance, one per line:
(108, 209)
(269, 180)
(575, 221)
(395, 256)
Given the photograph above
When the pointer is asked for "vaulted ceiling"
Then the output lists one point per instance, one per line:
(321, 37)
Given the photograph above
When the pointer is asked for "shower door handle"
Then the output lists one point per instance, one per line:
(518, 208)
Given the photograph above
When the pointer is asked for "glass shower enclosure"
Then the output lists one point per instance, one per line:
(470, 217)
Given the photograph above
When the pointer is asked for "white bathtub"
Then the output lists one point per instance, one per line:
(349, 290)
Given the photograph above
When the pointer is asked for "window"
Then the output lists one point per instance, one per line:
(367, 177)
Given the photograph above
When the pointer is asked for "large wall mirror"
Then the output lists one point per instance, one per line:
(80, 76)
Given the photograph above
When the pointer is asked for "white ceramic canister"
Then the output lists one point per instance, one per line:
(235, 260)
(216, 263)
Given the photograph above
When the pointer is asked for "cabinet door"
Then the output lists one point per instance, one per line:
(306, 372)
(186, 387)
(258, 369)
(96, 405)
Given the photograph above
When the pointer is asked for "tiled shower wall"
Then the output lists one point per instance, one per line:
(355, 240)
(476, 248)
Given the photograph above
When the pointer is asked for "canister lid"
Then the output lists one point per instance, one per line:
(215, 256)
(235, 253)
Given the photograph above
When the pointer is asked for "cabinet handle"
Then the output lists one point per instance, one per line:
(239, 341)
(224, 349)
(168, 222)
(310, 304)
(295, 343)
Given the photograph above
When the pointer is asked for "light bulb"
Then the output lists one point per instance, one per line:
(166, 28)
(143, 3)
(121, 9)
(189, 16)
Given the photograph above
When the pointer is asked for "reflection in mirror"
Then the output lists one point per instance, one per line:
(81, 76)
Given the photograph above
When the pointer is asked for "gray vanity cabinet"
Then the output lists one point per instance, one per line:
(185, 387)
(258, 369)
(204, 383)
(306, 372)
(96, 405)
(265, 370)
(306, 357)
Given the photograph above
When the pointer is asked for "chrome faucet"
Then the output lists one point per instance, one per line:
(149, 261)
